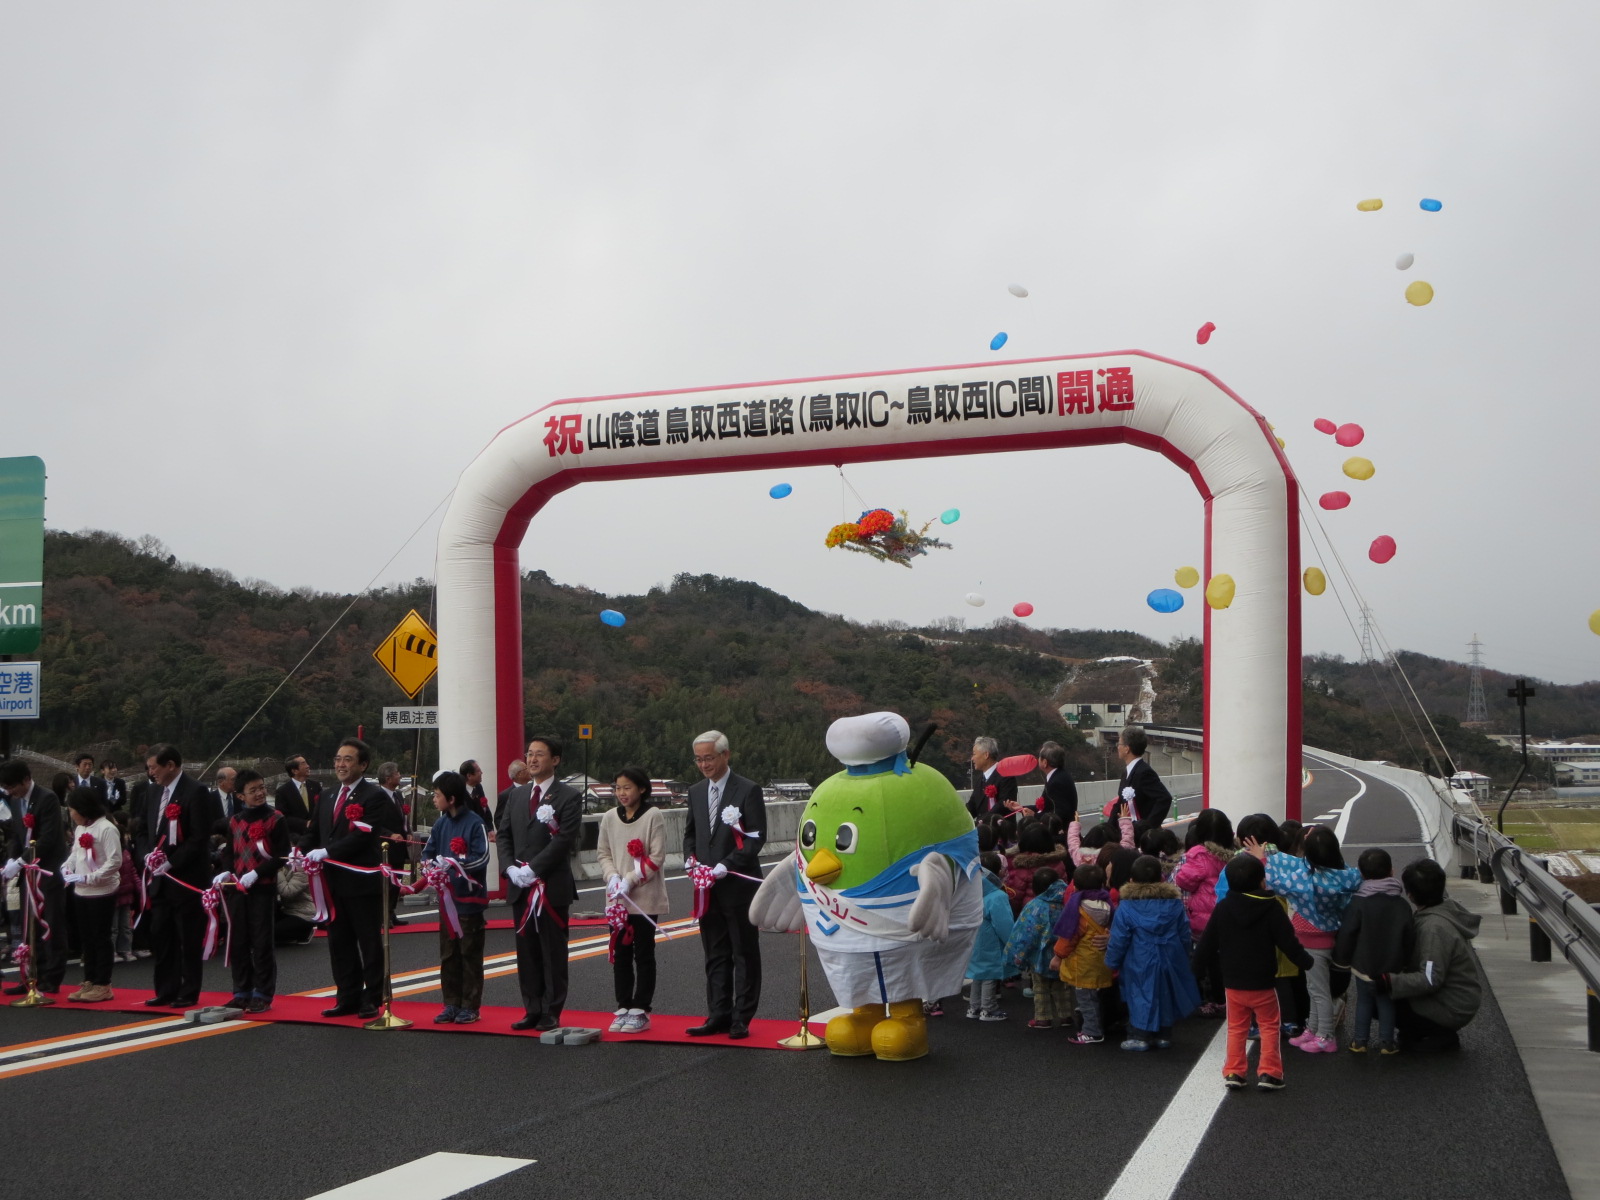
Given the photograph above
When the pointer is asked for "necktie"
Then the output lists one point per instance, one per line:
(714, 802)
(305, 796)
(338, 807)
(533, 802)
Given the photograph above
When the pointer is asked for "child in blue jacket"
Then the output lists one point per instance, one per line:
(987, 967)
(1032, 945)
(1150, 946)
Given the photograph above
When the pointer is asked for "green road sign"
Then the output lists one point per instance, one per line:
(21, 554)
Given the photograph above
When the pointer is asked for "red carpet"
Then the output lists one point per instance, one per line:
(307, 1010)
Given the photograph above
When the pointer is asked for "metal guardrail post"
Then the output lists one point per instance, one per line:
(1538, 943)
(1594, 1022)
(1508, 900)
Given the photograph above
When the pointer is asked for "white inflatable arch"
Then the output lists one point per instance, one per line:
(1252, 649)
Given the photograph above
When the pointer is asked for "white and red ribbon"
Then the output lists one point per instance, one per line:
(702, 877)
(211, 900)
(33, 876)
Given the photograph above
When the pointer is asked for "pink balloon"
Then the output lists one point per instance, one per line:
(1382, 549)
(1335, 500)
(1324, 425)
(1204, 335)
(1022, 610)
(1017, 765)
(1349, 435)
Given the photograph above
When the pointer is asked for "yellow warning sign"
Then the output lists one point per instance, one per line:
(410, 654)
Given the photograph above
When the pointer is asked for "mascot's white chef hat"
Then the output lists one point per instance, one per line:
(871, 738)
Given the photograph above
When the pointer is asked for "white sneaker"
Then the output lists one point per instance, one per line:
(992, 1014)
(620, 1025)
(638, 1021)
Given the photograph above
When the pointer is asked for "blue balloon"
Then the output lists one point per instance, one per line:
(1431, 206)
(1165, 600)
(950, 516)
(779, 490)
(613, 618)
(997, 341)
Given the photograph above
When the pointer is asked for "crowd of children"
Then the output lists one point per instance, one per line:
(1267, 926)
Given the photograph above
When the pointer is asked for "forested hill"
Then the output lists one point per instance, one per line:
(140, 648)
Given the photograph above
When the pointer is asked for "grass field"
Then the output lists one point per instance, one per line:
(1554, 828)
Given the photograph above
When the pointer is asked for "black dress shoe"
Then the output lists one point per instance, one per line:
(396, 922)
(340, 1010)
(525, 1024)
(371, 1014)
(187, 1002)
(154, 1002)
(709, 1028)
(546, 1023)
(21, 989)
(738, 1031)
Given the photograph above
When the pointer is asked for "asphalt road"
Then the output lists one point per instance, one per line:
(282, 1112)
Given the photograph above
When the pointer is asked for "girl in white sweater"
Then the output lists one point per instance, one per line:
(633, 850)
(93, 869)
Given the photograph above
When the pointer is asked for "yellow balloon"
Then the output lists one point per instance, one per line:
(1359, 468)
(1419, 293)
(1186, 577)
(1219, 592)
(1594, 621)
(1316, 581)
(1282, 445)
(1369, 205)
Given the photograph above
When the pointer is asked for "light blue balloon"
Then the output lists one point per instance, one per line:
(950, 516)
(612, 617)
(779, 490)
(1431, 206)
(1165, 600)
(997, 341)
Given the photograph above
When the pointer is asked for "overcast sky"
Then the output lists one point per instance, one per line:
(273, 273)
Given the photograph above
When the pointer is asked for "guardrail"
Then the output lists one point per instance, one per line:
(1557, 916)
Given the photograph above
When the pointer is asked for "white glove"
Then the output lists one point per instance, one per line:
(718, 871)
(12, 869)
(613, 885)
(1128, 794)
(246, 880)
(317, 855)
(67, 877)
(161, 869)
(623, 886)
(523, 877)
(222, 879)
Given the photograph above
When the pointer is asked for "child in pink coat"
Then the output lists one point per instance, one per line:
(1211, 848)
(1084, 848)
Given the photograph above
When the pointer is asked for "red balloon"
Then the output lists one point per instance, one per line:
(1334, 500)
(1017, 764)
(1349, 435)
(1324, 425)
(1204, 335)
(1382, 549)
(1022, 610)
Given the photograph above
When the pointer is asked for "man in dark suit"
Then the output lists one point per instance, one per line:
(731, 944)
(348, 825)
(517, 772)
(472, 776)
(177, 815)
(1060, 794)
(116, 786)
(1147, 796)
(981, 804)
(297, 795)
(537, 834)
(223, 794)
(86, 778)
(37, 832)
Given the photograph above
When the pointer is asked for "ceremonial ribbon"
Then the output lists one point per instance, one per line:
(702, 878)
(536, 906)
(621, 928)
(153, 861)
(33, 889)
(211, 900)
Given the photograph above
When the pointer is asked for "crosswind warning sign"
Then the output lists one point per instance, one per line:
(409, 654)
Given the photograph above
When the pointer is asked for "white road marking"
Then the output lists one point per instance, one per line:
(432, 1177)
(50, 1046)
(1343, 826)
(1157, 1166)
(188, 1031)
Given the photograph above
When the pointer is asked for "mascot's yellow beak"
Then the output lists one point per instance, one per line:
(824, 866)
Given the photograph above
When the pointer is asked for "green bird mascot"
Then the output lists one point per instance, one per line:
(885, 883)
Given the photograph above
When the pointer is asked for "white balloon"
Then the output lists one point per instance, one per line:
(1403, 263)
(1017, 290)
(975, 600)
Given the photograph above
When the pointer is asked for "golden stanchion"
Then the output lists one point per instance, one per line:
(34, 998)
(805, 1039)
(386, 1019)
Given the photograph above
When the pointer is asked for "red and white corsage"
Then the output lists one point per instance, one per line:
(546, 816)
(353, 814)
(731, 817)
(86, 843)
(173, 812)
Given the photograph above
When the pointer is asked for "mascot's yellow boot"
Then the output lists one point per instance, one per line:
(903, 1035)
(849, 1034)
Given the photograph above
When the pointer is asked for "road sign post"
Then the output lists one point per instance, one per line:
(586, 735)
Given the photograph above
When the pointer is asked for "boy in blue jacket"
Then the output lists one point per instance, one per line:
(1032, 945)
(987, 967)
(1150, 946)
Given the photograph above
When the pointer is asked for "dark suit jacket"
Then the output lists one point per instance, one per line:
(1152, 803)
(96, 784)
(343, 841)
(1060, 795)
(479, 800)
(116, 792)
(287, 801)
(500, 804)
(720, 846)
(522, 839)
(49, 833)
(979, 804)
(190, 857)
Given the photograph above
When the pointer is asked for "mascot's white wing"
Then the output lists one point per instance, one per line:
(936, 885)
(776, 907)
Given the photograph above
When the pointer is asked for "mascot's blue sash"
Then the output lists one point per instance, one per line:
(869, 908)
